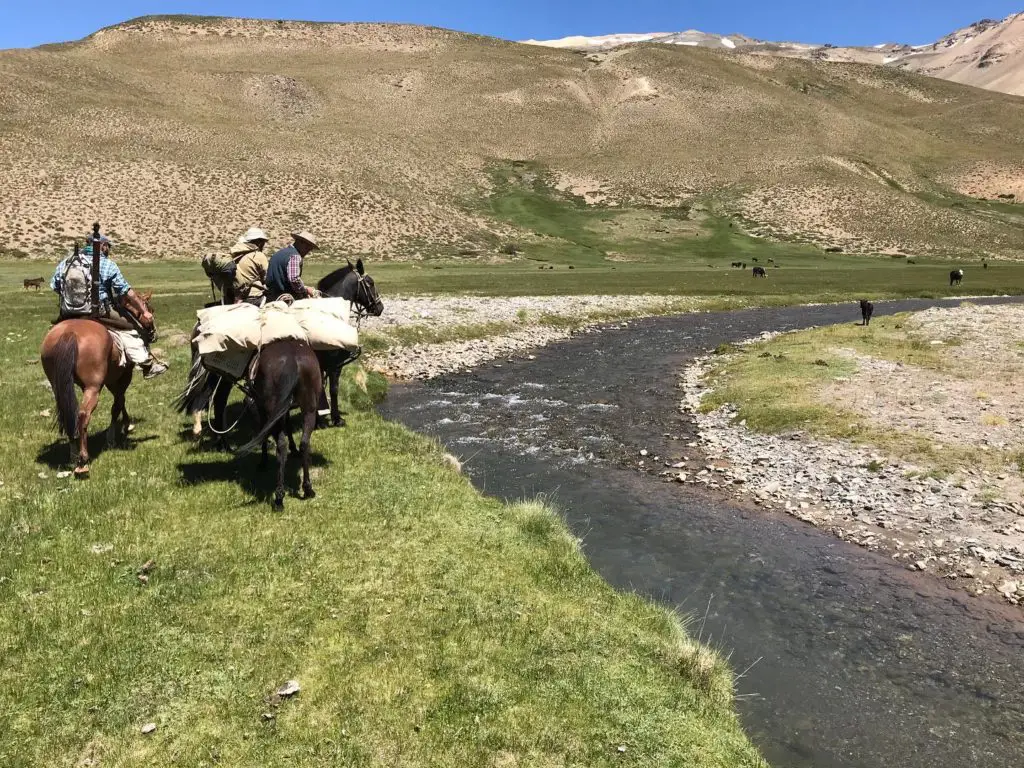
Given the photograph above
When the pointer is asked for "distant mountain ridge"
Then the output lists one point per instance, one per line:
(388, 141)
(987, 54)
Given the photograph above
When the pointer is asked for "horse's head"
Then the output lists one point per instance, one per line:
(353, 284)
(143, 313)
(366, 295)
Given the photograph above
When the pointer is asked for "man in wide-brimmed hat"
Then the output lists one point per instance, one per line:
(222, 267)
(284, 273)
(250, 281)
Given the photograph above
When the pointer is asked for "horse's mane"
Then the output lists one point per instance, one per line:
(334, 279)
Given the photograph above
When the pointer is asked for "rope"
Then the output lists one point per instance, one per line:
(209, 411)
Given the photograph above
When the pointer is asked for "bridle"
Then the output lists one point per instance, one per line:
(359, 309)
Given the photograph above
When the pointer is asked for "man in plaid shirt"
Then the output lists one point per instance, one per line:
(284, 272)
(114, 286)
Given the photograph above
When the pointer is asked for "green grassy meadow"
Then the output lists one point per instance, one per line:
(425, 623)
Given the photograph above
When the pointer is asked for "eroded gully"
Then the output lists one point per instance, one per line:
(853, 660)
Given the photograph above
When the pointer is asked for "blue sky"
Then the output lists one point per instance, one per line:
(25, 23)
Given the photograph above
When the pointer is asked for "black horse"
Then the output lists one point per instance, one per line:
(352, 284)
(759, 272)
(866, 310)
(287, 374)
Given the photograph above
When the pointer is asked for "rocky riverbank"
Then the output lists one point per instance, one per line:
(492, 329)
(967, 525)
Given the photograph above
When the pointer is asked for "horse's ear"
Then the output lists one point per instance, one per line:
(359, 266)
(147, 296)
(349, 262)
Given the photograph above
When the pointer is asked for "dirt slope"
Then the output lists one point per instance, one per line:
(178, 132)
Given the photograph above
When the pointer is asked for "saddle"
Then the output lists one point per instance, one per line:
(111, 320)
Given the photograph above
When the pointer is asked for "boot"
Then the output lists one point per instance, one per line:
(153, 368)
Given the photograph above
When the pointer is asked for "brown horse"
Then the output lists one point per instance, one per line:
(287, 375)
(81, 351)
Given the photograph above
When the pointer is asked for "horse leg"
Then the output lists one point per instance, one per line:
(336, 419)
(120, 422)
(90, 398)
(292, 448)
(197, 424)
(220, 408)
(282, 460)
(113, 435)
(308, 425)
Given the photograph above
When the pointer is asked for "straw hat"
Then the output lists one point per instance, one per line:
(307, 237)
(254, 233)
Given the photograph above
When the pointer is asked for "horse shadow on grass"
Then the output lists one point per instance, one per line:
(57, 454)
(255, 478)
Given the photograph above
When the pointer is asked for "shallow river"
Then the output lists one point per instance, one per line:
(850, 659)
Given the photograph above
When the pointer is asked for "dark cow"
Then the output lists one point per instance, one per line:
(33, 282)
(759, 272)
(866, 310)
(956, 276)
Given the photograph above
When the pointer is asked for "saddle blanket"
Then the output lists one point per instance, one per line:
(321, 323)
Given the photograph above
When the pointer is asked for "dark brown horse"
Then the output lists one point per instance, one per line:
(287, 374)
(81, 351)
(355, 286)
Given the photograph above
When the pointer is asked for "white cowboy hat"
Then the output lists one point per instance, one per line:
(304, 235)
(253, 234)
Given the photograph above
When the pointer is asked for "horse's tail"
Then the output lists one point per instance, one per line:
(198, 390)
(65, 353)
(285, 388)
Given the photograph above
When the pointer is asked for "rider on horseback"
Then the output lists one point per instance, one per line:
(114, 293)
(284, 273)
(251, 266)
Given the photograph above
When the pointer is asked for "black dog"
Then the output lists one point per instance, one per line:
(866, 309)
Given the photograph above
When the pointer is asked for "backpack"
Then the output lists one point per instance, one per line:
(76, 286)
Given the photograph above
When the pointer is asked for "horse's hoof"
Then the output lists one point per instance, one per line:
(277, 504)
(131, 428)
(338, 422)
(82, 473)
(308, 492)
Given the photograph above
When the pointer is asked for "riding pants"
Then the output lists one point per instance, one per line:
(132, 346)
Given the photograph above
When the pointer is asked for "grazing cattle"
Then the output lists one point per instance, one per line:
(737, 264)
(866, 310)
(984, 265)
(759, 272)
(956, 276)
(33, 282)
(771, 261)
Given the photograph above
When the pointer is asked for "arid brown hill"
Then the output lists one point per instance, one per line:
(178, 132)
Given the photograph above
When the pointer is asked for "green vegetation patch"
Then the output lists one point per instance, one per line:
(425, 623)
(775, 385)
